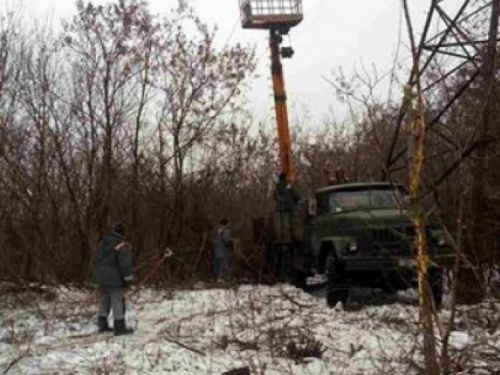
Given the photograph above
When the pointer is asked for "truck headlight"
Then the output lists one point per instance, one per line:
(439, 237)
(352, 246)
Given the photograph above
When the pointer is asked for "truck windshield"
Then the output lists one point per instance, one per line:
(370, 198)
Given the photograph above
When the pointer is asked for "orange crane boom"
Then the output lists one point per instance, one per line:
(284, 140)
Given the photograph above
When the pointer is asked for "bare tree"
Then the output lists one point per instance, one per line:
(198, 85)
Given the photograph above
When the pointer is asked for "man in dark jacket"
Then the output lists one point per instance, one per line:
(222, 251)
(285, 226)
(286, 199)
(114, 274)
(285, 196)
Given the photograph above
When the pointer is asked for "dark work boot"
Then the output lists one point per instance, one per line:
(120, 328)
(102, 323)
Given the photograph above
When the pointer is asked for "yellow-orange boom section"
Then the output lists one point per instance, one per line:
(284, 141)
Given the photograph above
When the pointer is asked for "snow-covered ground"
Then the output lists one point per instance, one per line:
(215, 330)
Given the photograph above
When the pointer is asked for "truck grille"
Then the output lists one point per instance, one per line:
(396, 240)
(404, 234)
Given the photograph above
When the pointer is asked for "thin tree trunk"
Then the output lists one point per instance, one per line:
(417, 128)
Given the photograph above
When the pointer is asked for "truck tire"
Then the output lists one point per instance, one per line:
(336, 289)
(395, 281)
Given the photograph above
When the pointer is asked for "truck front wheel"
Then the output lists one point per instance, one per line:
(336, 288)
(299, 279)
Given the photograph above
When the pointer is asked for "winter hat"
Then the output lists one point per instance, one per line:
(119, 228)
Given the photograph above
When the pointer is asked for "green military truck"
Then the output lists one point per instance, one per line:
(360, 234)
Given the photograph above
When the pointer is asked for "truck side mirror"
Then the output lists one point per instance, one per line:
(312, 207)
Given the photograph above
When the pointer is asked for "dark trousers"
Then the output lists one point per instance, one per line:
(221, 267)
(282, 261)
(112, 300)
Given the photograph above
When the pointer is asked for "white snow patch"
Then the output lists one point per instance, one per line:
(212, 331)
(459, 340)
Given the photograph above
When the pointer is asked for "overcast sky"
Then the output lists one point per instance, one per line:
(334, 33)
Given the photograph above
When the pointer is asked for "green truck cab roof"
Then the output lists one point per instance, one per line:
(360, 186)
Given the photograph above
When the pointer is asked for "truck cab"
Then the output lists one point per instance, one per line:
(361, 235)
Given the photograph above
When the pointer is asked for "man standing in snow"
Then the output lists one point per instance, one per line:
(286, 226)
(113, 266)
(222, 249)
